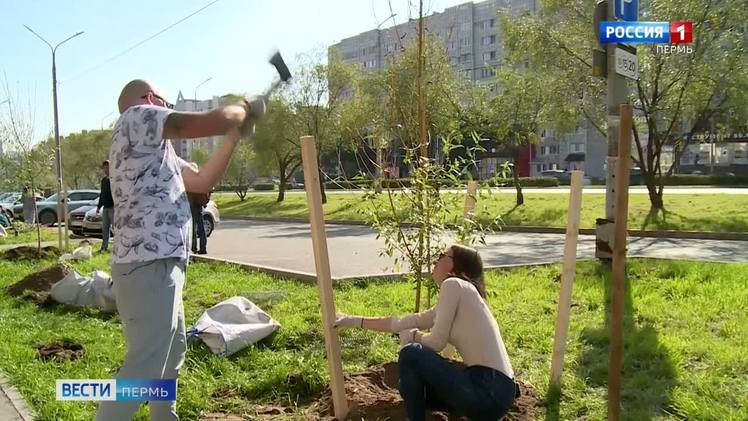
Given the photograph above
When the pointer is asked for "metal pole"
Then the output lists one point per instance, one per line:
(617, 95)
(58, 159)
(61, 210)
(201, 84)
(104, 118)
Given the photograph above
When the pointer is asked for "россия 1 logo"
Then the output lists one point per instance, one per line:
(677, 35)
(677, 32)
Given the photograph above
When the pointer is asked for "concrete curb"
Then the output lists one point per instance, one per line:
(18, 404)
(695, 235)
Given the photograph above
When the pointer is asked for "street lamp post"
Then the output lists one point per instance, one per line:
(201, 84)
(104, 118)
(61, 210)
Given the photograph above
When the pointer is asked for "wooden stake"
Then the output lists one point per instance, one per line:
(470, 199)
(324, 278)
(567, 278)
(619, 264)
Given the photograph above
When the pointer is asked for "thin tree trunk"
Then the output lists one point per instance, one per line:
(515, 176)
(655, 196)
(322, 185)
(282, 186)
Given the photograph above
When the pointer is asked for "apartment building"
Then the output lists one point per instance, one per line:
(472, 41)
(184, 147)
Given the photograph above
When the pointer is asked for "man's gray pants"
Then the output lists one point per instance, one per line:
(149, 303)
(107, 216)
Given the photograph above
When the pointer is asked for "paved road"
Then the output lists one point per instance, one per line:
(565, 190)
(354, 250)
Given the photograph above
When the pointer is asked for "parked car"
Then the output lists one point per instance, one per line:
(75, 219)
(9, 197)
(85, 221)
(47, 208)
(12, 203)
(561, 175)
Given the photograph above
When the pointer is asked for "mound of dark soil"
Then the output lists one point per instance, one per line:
(60, 351)
(30, 253)
(36, 286)
(373, 395)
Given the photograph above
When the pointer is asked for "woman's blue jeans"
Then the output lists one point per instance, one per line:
(427, 379)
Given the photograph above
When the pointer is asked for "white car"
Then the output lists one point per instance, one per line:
(90, 223)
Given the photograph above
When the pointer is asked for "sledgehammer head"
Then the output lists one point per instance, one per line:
(280, 65)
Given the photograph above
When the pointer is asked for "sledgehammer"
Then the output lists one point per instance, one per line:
(277, 61)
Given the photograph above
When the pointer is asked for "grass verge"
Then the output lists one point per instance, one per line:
(698, 212)
(684, 340)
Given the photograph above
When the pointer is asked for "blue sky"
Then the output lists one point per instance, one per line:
(229, 41)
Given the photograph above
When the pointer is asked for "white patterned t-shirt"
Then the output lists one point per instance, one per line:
(152, 217)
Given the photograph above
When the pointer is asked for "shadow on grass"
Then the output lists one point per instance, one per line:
(505, 217)
(648, 375)
(661, 219)
(52, 307)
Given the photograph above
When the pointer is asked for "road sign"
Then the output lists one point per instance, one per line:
(627, 9)
(627, 64)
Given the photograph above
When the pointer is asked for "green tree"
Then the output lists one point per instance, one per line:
(82, 155)
(413, 106)
(200, 156)
(33, 163)
(675, 96)
(241, 173)
(315, 96)
(275, 144)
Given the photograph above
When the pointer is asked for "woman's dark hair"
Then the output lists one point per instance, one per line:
(469, 266)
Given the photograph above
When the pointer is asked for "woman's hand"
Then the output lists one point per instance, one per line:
(408, 336)
(348, 321)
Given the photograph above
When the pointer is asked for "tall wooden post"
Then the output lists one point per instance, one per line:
(567, 278)
(324, 277)
(619, 264)
(470, 199)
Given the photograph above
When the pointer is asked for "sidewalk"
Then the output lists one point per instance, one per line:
(12, 405)
(285, 248)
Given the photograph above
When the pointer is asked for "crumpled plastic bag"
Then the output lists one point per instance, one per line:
(85, 291)
(81, 253)
(232, 325)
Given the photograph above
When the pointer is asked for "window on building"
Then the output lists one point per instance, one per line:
(465, 26)
(491, 39)
(544, 167)
(486, 73)
(489, 56)
(465, 42)
(578, 147)
(554, 149)
(543, 150)
(538, 168)
(488, 24)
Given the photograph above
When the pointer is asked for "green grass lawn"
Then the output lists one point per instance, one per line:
(698, 212)
(685, 342)
(29, 236)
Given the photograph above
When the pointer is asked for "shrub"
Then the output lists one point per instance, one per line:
(264, 187)
(526, 182)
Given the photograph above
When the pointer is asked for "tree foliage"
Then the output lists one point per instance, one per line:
(675, 95)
